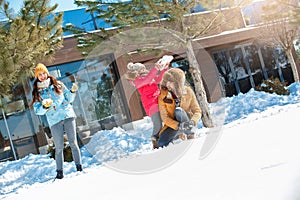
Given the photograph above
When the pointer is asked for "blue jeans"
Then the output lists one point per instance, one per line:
(67, 126)
(170, 134)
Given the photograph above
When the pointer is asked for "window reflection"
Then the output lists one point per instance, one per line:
(251, 52)
(225, 74)
(239, 67)
(221, 60)
(19, 127)
(17, 114)
(269, 60)
(247, 65)
(99, 103)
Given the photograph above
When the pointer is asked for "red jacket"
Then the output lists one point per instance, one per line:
(149, 90)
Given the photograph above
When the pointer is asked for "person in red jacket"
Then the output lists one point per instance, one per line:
(147, 84)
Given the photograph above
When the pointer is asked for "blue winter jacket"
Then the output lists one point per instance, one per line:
(60, 109)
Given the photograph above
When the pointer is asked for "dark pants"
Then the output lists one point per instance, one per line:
(170, 134)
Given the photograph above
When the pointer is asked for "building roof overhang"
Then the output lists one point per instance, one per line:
(228, 37)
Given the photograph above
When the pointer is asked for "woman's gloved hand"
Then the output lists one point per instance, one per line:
(47, 103)
(74, 87)
(184, 126)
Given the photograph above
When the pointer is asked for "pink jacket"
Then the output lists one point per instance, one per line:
(149, 90)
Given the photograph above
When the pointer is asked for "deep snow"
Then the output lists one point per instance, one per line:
(252, 154)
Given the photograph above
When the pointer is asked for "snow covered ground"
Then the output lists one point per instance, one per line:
(253, 154)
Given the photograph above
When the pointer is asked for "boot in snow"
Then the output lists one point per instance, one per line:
(154, 139)
(190, 137)
(79, 168)
(60, 174)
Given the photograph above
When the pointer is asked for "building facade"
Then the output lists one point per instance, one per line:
(230, 62)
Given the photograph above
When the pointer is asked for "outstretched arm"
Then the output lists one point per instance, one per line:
(140, 81)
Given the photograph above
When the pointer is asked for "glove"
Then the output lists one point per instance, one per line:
(159, 66)
(165, 61)
(177, 102)
(74, 87)
(184, 126)
(47, 103)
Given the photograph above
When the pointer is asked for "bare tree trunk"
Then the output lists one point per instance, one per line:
(199, 88)
(293, 64)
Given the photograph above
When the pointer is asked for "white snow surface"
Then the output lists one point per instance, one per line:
(253, 153)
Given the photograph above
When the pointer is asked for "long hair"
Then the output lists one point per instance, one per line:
(35, 92)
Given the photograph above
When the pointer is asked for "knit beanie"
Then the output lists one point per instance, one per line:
(134, 70)
(40, 68)
(177, 76)
(135, 66)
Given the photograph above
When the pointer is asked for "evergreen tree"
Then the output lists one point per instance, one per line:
(29, 37)
(171, 18)
(104, 95)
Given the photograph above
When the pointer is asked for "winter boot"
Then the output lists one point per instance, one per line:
(182, 136)
(79, 168)
(189, 137)
(60, 174)
(190, 134)
(154, 139)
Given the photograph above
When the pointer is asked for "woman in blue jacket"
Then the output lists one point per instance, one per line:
(53, 99)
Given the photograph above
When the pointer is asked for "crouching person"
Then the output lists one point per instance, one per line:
(178, 106)
(52, 99)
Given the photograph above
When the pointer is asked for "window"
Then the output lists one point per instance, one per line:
(17, 114)
(269, 59)
(225, 74)
(245, 66)
(99, 101)
(252, 56)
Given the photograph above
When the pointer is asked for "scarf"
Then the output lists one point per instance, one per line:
(44, 84)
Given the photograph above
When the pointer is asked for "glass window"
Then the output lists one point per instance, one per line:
(285, 67)
(221, 60)
(19, 119)
(269, 58)
(238, 63)
(226, 75)
(251, 52)
(248, 65)
(253, 59)
(99, 101)
(282, 58)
